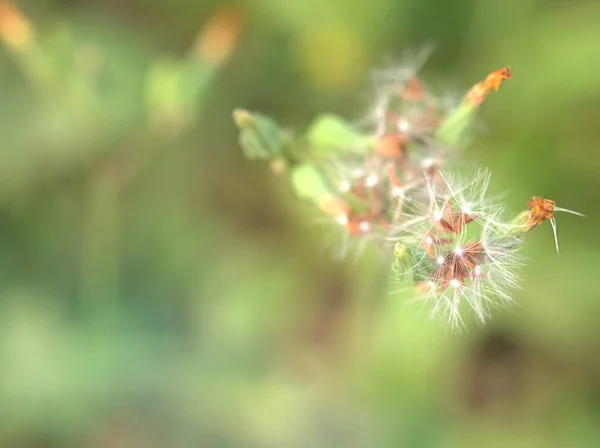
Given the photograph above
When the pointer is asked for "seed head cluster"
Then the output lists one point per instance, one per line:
(451, 244)
(463, 254)
(374, 187)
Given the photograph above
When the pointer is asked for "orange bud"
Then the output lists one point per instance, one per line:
(540, 210)
(391, 146)
(218, 37)
(392, 176)
(15, 29)
(493, 81)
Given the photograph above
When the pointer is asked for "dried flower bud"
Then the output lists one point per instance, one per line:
(479, 91)
(541, 210)
(16, 31)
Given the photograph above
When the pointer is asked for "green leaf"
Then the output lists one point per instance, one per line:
(175, 88)
(454, 130)
(309, 183)
(260, 136)
(330, 134)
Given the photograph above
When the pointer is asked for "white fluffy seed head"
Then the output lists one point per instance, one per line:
(474, 269)
(482, 286)
(470, 195)
(466, 197)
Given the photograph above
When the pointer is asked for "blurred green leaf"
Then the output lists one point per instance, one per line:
(174, 89)
(260, 136)
(309, 183)
(329, 135)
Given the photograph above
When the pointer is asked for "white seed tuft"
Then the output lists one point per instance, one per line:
(342, 220)
(364, 226)
(371, 180)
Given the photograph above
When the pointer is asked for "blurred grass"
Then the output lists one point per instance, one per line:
(159, 290)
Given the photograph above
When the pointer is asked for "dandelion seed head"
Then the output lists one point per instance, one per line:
(397, 189)
(470, 270)
(447, 204)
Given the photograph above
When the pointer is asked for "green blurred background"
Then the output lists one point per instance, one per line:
(158, 290)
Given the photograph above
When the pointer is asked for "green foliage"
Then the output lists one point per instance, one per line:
(167, 309)
(456, 128)
(330, 136)
(260, 137)
(309, 183)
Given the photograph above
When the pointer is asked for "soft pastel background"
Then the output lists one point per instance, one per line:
(158, 290)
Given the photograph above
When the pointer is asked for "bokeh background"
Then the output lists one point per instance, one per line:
(158, 290)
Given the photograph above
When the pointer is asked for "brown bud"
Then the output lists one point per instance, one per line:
(540, 210)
